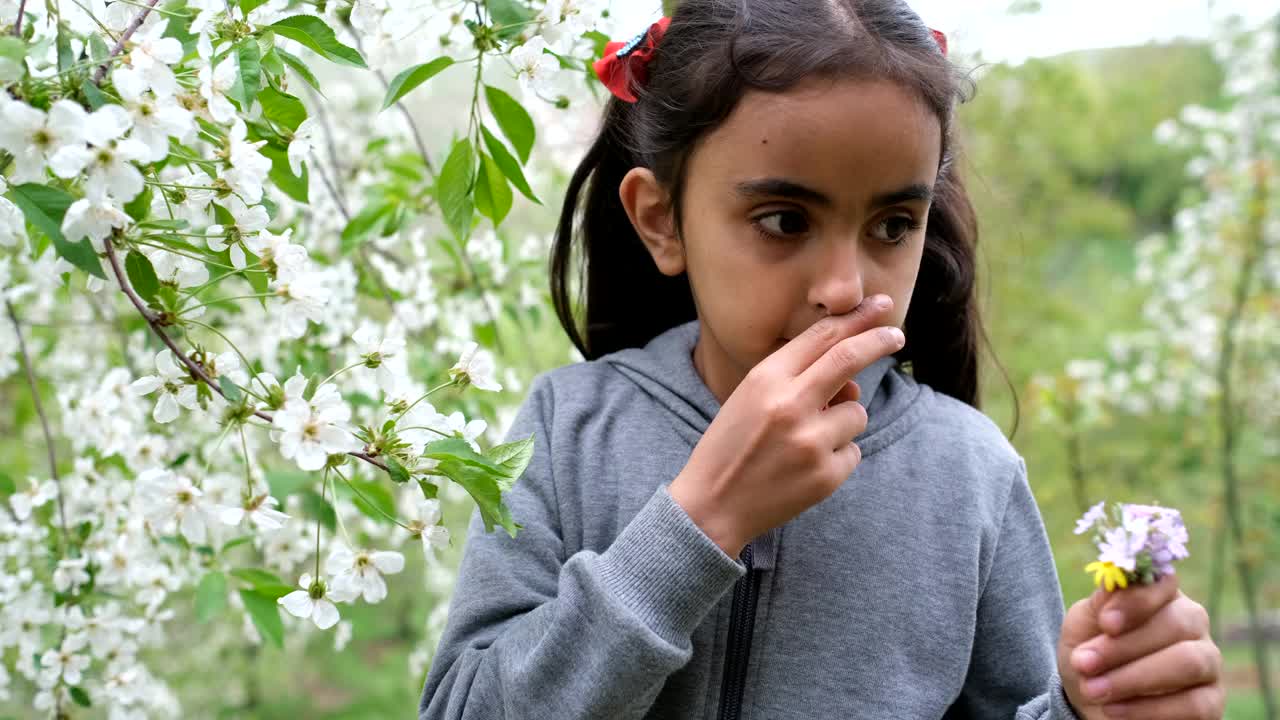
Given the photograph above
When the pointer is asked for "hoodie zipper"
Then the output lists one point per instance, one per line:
(742, 620)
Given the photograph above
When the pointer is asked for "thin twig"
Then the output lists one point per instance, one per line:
(408, 116)
(133, 26)
(44, 419)
(17, 25)
(194, 367)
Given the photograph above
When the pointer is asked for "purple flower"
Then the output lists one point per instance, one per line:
(1120, 548)
(1091, 517)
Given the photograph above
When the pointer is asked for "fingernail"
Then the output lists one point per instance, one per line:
(1086, 660)
(1113, 619)
(895, 336)
(1097, 688)
(880, 302)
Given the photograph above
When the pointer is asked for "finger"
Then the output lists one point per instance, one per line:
(1130, 608)
(840, 424)
(1201, 703)
(846, 359)
(804, 349)
(1081, 622)
(849, 393)
(1182, 619)
(1174, 669)
(848, 456)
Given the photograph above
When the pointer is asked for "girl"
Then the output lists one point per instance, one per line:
(718, 521)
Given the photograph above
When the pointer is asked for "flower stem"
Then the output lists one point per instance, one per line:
(226, 299)
(368, 502)
(429, 393)
(44, 420)
(336, 373)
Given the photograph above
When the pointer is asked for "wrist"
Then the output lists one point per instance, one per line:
(708, 516)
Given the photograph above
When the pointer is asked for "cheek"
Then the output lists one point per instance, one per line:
(898, 281)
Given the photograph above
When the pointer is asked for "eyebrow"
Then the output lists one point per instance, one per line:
(780, 187)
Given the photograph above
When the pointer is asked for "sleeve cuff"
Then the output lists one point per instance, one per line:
(666, 569)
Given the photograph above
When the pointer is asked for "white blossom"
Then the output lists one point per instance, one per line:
(361, 571)
(167, 499)
(310, 430)
(32, 136)
(535, 69)
(174, 383)
(476, 368)
(315, 601)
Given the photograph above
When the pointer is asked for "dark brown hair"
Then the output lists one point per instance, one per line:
(712, 54)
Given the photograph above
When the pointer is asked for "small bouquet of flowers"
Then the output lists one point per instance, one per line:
(1136, 543)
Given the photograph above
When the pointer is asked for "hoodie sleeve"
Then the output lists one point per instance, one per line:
(594, 635)
(1013, 671)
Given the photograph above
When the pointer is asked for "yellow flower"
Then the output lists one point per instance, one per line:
(1108, 573)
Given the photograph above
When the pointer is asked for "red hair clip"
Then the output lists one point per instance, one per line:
(941, 39)
(625, 63)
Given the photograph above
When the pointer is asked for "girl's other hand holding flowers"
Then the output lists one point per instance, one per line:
(1138, 647)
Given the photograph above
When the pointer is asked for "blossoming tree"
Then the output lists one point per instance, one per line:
(229, 254)
(1207, 358)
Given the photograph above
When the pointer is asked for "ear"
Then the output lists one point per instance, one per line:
(653, 218)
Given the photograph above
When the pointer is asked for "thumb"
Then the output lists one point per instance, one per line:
(1081, 622)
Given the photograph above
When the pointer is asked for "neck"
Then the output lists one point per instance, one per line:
(714, 366)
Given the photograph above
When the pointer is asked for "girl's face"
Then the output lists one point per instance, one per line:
(798, 206)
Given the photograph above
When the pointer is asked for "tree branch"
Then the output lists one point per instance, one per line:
(194, 367)
(44, 420)
(133, 26)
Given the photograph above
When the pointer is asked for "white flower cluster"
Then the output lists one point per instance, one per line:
(1220, 246)
(229, 287)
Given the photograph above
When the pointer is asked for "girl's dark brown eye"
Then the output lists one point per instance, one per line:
(784, 222)
(894, 230)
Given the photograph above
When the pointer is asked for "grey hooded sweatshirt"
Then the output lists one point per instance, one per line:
(924, 587)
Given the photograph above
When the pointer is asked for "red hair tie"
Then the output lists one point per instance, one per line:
(941, 39)
(626, 64)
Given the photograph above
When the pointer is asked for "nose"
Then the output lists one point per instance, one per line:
(837, 282)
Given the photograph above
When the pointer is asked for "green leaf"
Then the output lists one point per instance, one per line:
(249, 6)
(248, 73)
(319, 509)
(485, 491)
(272, 66)
(45, 207)
(598, 42)
(513, 120)
(453, 188)
(411, 78)
(298, 188)
(299, 67)
(93, 95)
(368, 222)
(14, 49)
(429, 489)
(140, 206)
(142, 276)
(459, 450)
(263, 582)
(313, 33)
(235, 542)
(265, 615)
(493, 195)
(281, 108)
(230, 390)
(396, 470)
(6, 485)
(65, 57)
(512, 457)
(211, 595)
(510, 16)
(507, 163)
(80, 696)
